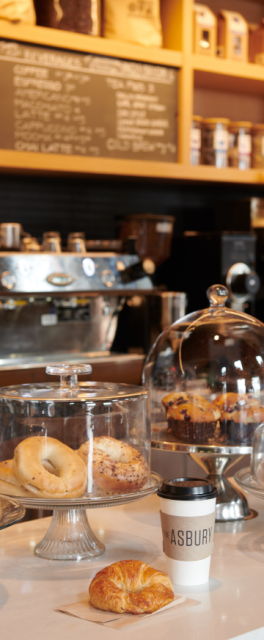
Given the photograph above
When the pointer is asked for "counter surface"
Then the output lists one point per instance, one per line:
(232, 603)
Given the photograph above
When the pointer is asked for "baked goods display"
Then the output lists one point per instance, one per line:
(117, 467)
(74, 441)
(46, 467)
(179, 397)
(191, 418)
(130, 586)
(9, 484)
(240, 415)
(66, 477)
(230, 418)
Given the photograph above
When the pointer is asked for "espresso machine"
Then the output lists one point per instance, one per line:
(58, 302)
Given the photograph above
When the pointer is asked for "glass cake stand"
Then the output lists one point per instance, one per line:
(215, 460)
(69, 536)
(10, 513)
(246, 481)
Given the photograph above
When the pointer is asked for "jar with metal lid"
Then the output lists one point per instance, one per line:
(258, 146)
(215, 142)
(196, 140)
(240, 145)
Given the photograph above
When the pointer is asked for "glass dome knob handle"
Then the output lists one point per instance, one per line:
(217, 295)
(68, 373)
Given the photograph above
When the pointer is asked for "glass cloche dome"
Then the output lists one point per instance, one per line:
(73, 440)
(205, 375)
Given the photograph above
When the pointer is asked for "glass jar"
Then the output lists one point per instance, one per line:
(240, 145)
(258, 146)
(205, 375)
(215, 142)
(196, 140)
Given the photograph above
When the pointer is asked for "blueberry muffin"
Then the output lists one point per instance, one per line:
(179, 397)
(194, 421)
(240, 415)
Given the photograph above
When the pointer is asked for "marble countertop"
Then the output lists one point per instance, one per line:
(231, 604)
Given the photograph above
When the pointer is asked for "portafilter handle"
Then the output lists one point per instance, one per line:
(68, 373)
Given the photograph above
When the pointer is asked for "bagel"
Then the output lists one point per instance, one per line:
(130, 586)
(34, 456)
(117, 467)
(9, 484)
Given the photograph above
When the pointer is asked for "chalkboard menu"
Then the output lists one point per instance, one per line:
(55, 101)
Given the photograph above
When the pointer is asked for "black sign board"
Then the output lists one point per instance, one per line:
(63, 102)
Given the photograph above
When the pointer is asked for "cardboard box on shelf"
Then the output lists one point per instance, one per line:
(232, 36)
(256, 43)
(204, 30)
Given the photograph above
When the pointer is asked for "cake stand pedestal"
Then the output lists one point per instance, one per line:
(231, 504)
(70, 536)
(10, 512)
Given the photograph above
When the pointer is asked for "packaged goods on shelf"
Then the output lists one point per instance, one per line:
(232, 36)
(256, 43)
(240, 145)
(258, 146)
(215, 142)
(204, 30)
(81, 17)
(196, 140)
(137, 21)
(18, 11)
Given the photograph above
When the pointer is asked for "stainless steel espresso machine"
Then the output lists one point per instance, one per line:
(85, 300)
(56, 304)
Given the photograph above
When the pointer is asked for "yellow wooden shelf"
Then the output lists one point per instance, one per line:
(216, 73)
(30, 163)
(230, 175)
(197, 72)
(90, 44)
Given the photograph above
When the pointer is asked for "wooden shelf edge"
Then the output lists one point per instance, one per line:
(89, 44)
(41, 164)
(32, 163)
(230, 175)
(220, 66)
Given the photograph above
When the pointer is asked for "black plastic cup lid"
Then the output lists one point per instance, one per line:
(187, 489)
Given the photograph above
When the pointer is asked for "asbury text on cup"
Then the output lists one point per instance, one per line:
(186, 538)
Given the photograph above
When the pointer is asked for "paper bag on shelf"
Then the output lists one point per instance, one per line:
(137, 21)
(18, 11)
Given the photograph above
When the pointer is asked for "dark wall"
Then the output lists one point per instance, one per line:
(97, 206)
(94, 205)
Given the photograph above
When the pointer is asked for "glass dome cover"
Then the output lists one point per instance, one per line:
(73, 440)
(205, 375)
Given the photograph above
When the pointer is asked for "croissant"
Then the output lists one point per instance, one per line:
(130, 586)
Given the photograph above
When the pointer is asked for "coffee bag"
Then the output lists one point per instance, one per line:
(135, 21)
(18, 11)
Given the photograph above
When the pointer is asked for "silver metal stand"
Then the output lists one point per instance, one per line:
(216, 460)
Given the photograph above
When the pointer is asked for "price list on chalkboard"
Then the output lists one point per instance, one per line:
(54, 101)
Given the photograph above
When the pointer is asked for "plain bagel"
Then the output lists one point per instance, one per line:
(116, 466)
(9, 484)
(68, 478)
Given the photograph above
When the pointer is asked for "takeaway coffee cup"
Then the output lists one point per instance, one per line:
(187, 520)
